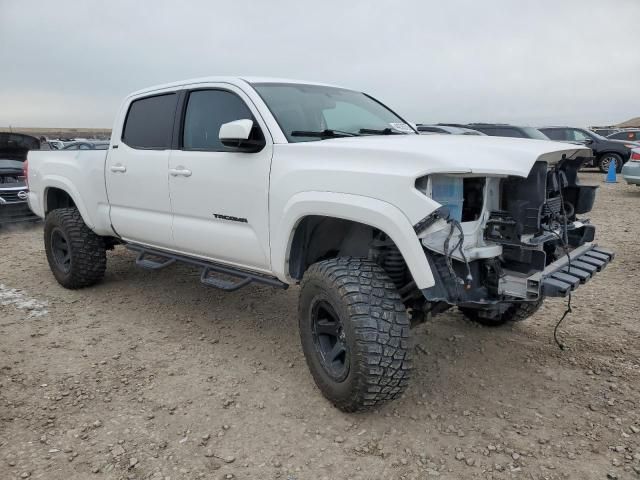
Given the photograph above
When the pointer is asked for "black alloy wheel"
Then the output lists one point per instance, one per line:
(329, 340)
(61, 250)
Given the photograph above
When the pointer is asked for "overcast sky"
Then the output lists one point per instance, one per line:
(70, 63)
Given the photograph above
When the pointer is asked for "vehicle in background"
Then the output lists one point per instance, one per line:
(86, 146)
(61, 143)
(446, 129)
(14, 205)
(604, 150)
(631, 135)
(503, 130)
(56, 144)
(281, 182)
(605, 131)
(631, 169)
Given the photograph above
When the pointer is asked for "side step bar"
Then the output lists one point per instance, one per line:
(564, 276)
(153, 259)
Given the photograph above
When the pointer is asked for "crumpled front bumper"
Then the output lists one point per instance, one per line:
(563, 276)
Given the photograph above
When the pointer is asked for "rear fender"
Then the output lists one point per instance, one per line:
(61, 183)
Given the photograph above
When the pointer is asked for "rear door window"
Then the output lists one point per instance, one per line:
(149, 122)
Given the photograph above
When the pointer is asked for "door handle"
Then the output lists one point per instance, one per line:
(180, 172)
(118, 168)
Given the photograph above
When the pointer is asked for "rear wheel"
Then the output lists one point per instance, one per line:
(515, 313)
(354, 331)
(605, 160)
(76, 255)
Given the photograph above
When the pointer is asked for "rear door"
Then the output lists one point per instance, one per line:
(136, 172)
(219, 196)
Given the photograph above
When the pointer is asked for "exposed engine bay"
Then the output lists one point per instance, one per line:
(500, 240)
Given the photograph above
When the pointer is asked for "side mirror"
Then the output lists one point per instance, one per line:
(588, 141)
(236, 135)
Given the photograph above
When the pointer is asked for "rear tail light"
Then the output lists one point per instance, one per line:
(25, 172)
(635, 156)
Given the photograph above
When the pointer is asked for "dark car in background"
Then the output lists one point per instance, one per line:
(446, 129)
(13, 188)
(604, 150)
(604, 131)
(630, 135)
(503, 130)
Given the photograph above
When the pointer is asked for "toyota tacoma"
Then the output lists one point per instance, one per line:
(278, 182)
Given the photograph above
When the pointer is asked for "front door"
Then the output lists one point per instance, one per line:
(136, 172)
(220, 197)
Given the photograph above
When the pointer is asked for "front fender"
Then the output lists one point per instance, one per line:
(366, 210)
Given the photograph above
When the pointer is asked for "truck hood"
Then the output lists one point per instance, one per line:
(425, 154)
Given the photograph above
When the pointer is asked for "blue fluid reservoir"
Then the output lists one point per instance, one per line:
(448, 191)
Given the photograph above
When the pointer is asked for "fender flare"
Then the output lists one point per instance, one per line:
(61, 183)
(369, 211)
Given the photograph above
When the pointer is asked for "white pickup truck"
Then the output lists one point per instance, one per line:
(283, 182)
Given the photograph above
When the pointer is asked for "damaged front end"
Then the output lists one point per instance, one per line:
(499, 241)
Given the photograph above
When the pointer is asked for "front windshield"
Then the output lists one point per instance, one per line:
(313, 112)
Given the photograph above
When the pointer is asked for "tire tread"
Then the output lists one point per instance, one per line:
(88, 251)
(382, 359)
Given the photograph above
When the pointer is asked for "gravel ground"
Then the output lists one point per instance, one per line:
(151, 375)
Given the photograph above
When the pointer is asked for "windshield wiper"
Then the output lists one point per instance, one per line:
(323, 133)
(383, 131)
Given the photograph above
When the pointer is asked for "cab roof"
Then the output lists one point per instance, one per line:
(238, 81)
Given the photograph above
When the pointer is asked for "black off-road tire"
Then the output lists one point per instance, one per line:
(604, 166)
(374, 330)
(87, 260)
(517, 312)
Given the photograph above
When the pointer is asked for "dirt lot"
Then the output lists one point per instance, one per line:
(151, 375)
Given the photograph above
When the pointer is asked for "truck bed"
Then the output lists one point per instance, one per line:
(78, 172)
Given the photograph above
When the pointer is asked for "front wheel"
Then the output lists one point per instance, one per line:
(76, 255)
(354, 331)
(515, 313)
(606, 159)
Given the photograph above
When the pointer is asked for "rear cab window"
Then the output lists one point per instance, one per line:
(149, 122)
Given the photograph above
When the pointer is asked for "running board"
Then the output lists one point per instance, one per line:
(153, 259)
